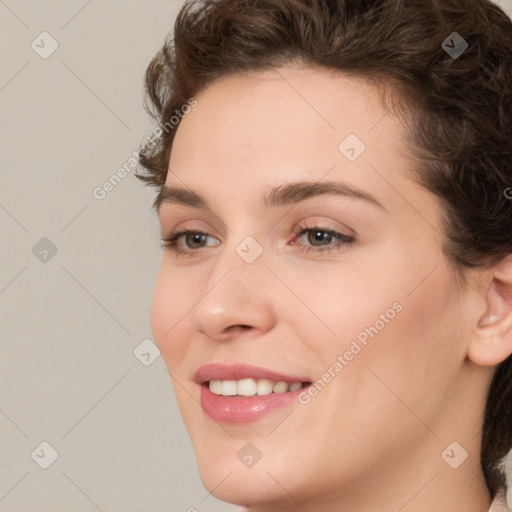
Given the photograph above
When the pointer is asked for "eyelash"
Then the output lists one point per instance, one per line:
(170, 242)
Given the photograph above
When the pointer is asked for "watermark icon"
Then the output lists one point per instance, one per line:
(351, 147)
(146, 352)
(249, 250)
(508, 193)
(44, 250)
(44, 455)
(454, 455)
(355, 348)
(100, 192)
(249, 455)
(454, 45)
(44, 45)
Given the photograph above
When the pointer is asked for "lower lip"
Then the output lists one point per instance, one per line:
(236, 409)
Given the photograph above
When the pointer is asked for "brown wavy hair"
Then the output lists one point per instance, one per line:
(459, 110)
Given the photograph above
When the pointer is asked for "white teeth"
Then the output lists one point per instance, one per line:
(229, 387)
(264, 387)
(294, 386)
(251, 387)
(216, 386)
(246, 387)
(280, 387)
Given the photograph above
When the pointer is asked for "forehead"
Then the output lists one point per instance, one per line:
(287, 100)
(248, 131)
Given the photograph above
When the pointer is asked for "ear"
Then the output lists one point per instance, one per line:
(491, 342)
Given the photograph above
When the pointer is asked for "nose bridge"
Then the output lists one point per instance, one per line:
(242, 262)
(233, 294)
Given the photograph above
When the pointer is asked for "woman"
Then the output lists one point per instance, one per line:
(334, 303)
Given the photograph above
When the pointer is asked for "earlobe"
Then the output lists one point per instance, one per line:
(491, 342)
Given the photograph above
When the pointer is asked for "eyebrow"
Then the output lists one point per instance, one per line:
(281, 195)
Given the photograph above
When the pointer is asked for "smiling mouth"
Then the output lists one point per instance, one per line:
(252, 387)
(242, 393)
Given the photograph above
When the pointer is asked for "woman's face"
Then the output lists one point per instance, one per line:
(349, 291)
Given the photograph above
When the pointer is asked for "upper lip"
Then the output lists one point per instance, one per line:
(219, 371)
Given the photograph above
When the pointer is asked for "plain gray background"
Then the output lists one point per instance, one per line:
(70, 323)
(71, 319)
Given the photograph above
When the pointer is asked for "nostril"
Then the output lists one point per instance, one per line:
(239, 327)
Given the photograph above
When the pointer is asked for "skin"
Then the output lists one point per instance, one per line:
(372, 439)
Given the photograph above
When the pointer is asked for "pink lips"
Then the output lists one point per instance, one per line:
(235, 409)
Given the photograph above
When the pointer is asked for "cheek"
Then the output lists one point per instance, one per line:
(341, 304)
(171, 302)
(415, 358)
(387, 316)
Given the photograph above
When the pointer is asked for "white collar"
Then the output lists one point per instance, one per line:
(499, 504)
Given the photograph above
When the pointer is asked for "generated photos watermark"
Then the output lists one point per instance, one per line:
(100, 192)
(356, 346)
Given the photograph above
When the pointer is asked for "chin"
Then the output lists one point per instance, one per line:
(240, 472)
(241, 486)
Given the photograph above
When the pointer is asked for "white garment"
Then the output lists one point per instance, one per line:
(499, 503)
(503, 499)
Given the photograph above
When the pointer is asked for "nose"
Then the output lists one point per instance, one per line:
(234, 300)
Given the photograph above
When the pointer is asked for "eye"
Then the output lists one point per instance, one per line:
(321, 239)
(192, 240)
(314, 238)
